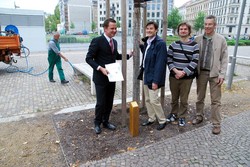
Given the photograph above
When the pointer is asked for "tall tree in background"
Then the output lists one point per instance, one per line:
(51, 21)
(118, 24)
(199, 21)
(174, 18)
(72, 25)
(93, 26)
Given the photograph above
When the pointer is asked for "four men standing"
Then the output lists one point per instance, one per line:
(209, 56)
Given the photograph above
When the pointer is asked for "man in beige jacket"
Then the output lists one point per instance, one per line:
(212, 69)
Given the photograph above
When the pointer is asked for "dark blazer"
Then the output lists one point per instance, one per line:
(100, 53)
(155, 62)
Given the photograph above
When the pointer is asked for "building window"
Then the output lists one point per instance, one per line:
(248, 20)
(230, 20)
(100, 6)
(158, 6)
(230, 29)
(129, 7)
(153, 6)
(148, 7)
(158, 14)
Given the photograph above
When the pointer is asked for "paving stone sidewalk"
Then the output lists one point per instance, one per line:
(23, 95)
(197, 148)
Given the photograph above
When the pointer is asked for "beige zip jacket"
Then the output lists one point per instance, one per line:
(219, 59)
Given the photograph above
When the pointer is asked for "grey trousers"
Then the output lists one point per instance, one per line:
(215, 94)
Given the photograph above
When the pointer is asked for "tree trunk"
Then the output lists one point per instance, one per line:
(136, 57)
(107, 9)
(164, 37)
(124, 63)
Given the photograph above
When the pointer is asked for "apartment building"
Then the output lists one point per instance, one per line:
(183, 10)
(194, 7)
(76, 15)
(228, 15)
(226, 11)
(154, 12)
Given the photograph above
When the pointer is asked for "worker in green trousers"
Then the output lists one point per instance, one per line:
(54, 58)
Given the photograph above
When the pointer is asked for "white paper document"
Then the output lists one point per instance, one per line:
(115, 73)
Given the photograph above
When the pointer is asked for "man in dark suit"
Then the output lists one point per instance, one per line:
(102, 51)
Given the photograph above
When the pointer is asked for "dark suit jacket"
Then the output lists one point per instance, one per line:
(100, 53)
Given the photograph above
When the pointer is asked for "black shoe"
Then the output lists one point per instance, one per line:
(64, 81)
(52, 80)
(109, 126)
(161, 126)
(98, 129)
(147, 123)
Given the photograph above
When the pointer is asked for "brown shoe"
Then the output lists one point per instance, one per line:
(216, 130)
(197, 120)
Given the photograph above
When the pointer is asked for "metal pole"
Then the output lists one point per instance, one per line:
(124, 61)
(230, 78)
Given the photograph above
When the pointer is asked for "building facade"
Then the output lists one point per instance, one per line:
(154, 12)
(30, 24)
(76, 15)
(227, 13)
(194, 7)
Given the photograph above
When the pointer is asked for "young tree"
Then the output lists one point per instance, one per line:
(52, 20)
(93, 26)
(199, 21)
(174, 18)
(72, 25)
(118, 24)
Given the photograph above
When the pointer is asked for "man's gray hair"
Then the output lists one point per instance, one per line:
(211, 17)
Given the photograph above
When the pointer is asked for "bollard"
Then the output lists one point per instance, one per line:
(134, 119)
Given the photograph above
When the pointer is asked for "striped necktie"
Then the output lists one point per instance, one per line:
(111, 45)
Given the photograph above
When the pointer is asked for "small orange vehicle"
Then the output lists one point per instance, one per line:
(9, 45)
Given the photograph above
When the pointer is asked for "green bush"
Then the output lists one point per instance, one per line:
(67, 39)
(241, 43)
(231, 43)
(247, 42)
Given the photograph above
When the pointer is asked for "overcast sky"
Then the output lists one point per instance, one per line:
(45, 5)
(48, 5)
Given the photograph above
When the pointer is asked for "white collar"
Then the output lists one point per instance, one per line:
(108, 39)
(150, 40)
